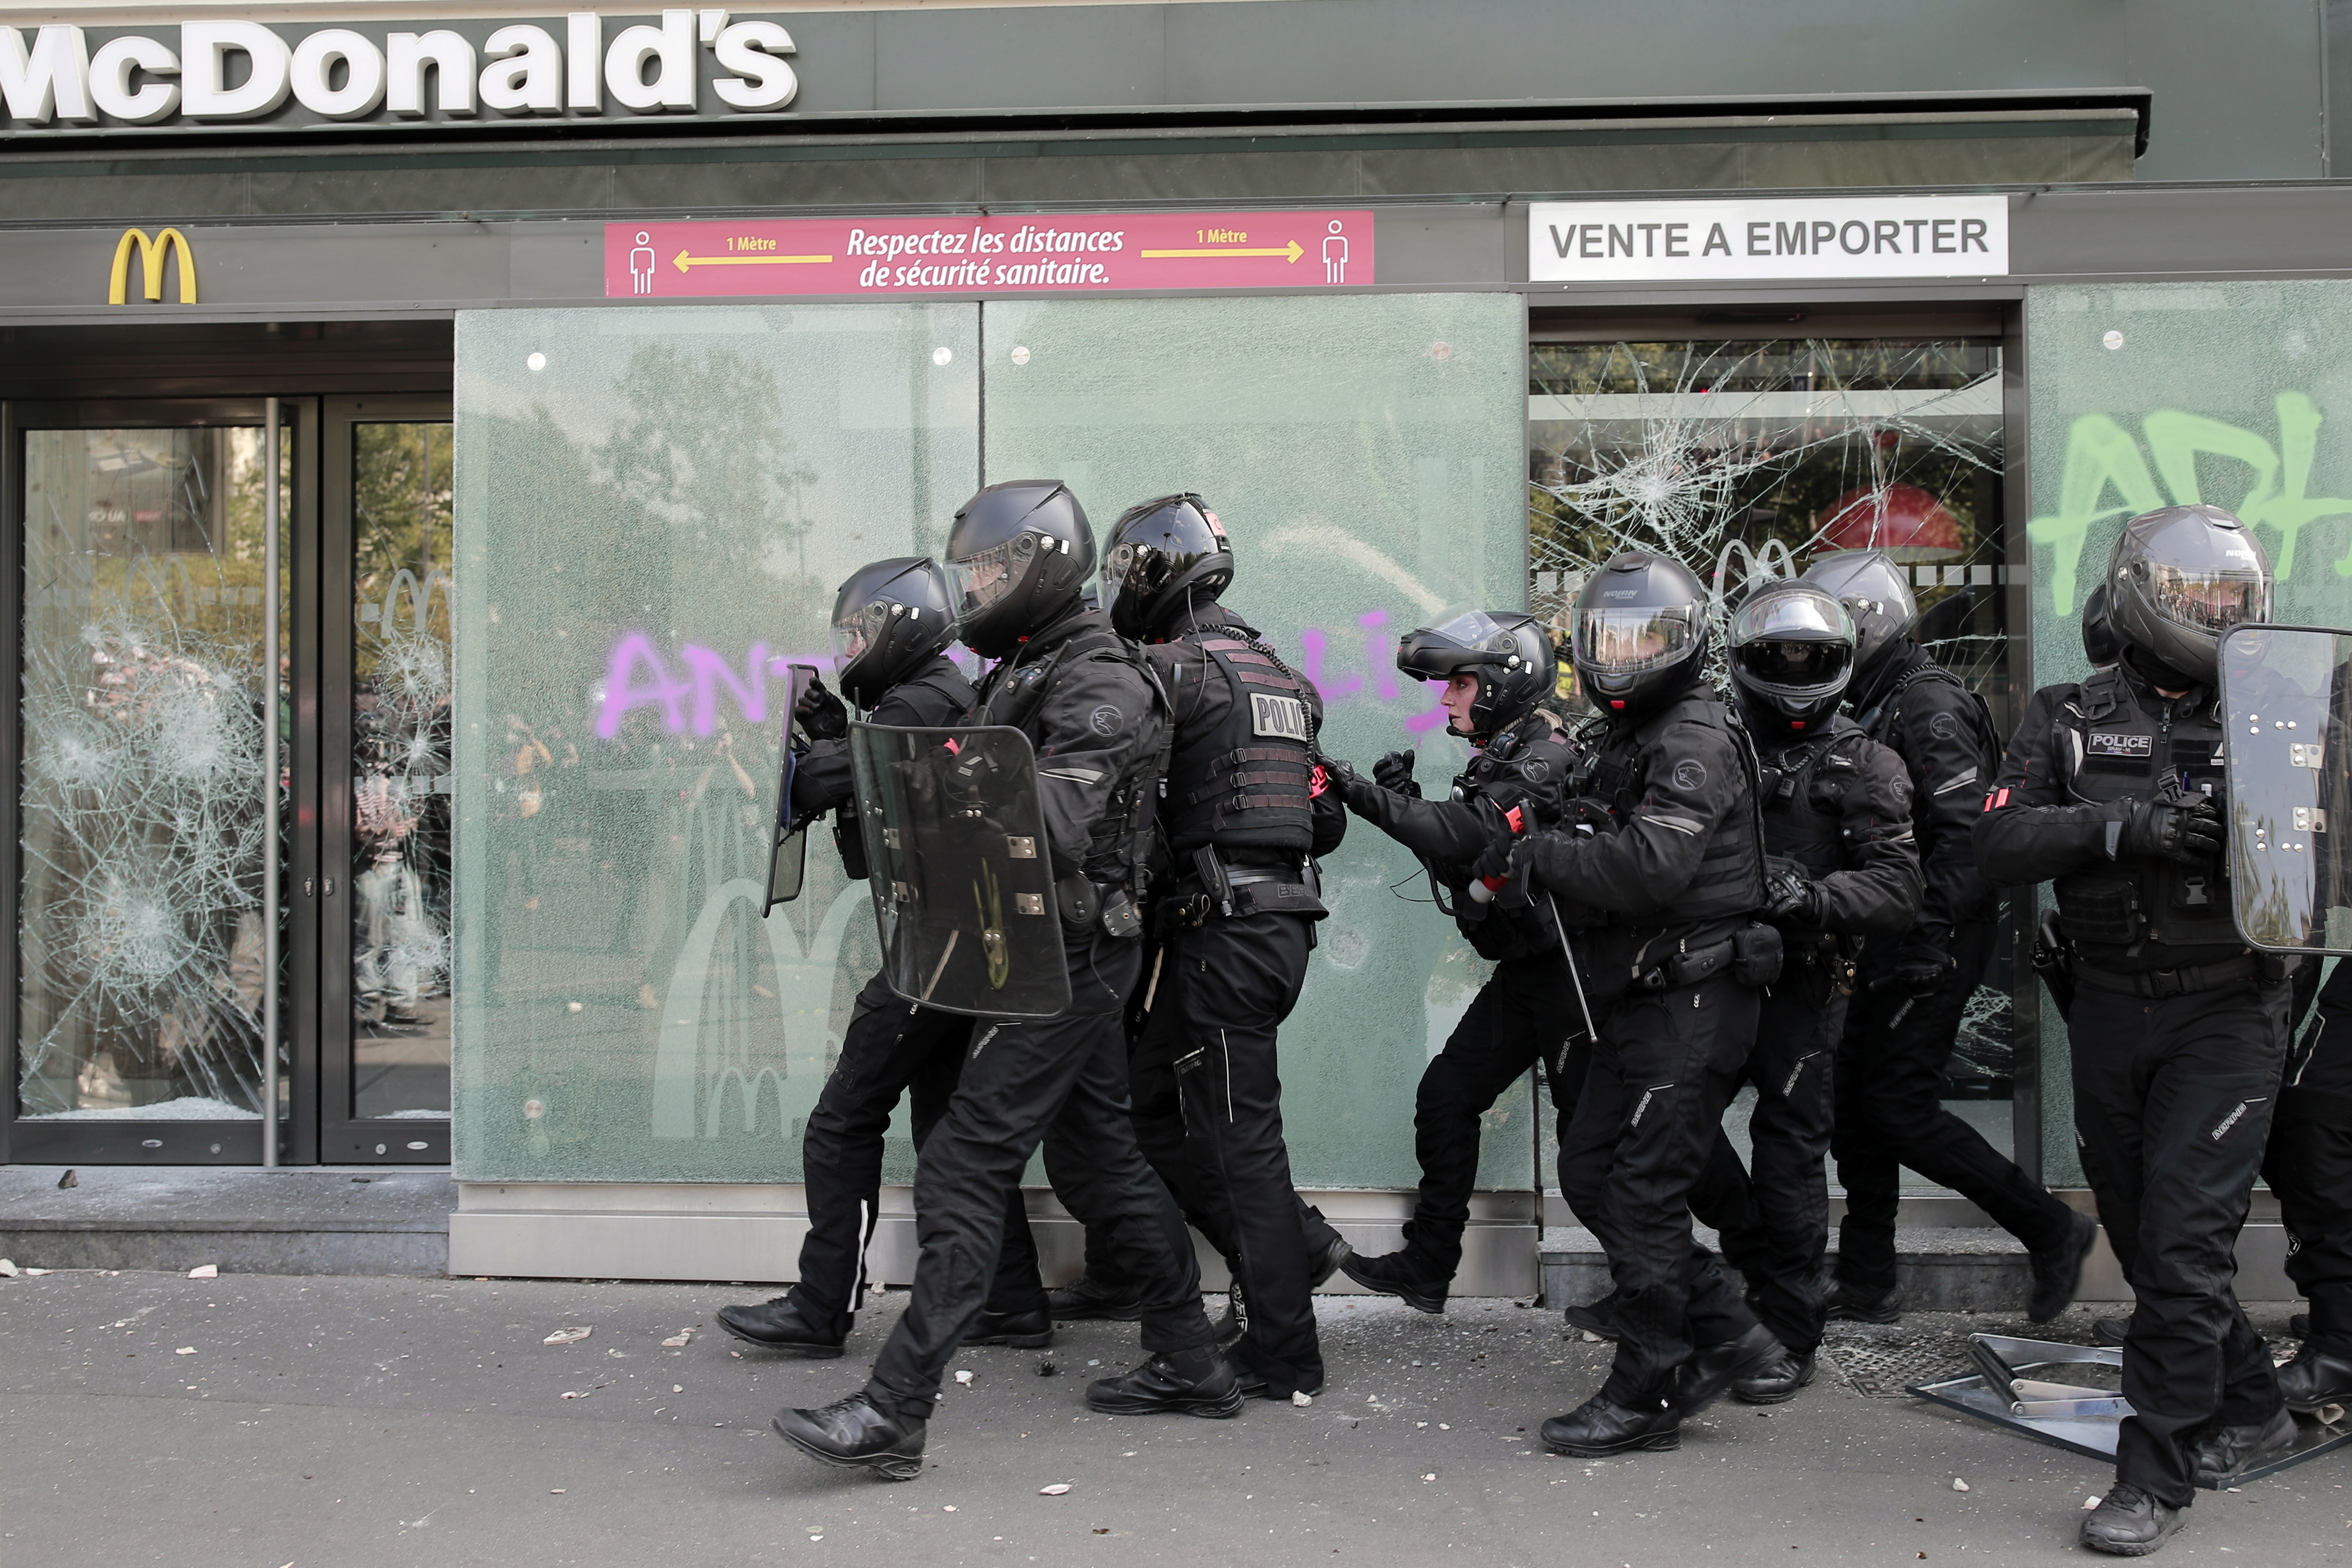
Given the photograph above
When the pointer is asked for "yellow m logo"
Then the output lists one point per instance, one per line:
(152, 253)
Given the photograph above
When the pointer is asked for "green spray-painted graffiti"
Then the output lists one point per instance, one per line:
(2103, 457)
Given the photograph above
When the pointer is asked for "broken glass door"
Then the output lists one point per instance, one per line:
(146, 692)
(385, 1086)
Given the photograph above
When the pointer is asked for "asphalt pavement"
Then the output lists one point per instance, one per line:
(352, 1421)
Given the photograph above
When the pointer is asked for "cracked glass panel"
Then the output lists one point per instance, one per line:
(140, 944)
(400, 770)
(1747, 460)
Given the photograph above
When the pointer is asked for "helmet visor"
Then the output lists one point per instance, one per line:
(1807, 613)
(2206, 600)
(1794, 663)
(1124, 558)
(1465, 642)
(1630, 641)
(857, 630)
(979, 581)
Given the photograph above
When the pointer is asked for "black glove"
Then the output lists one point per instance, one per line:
(2185, 830)
(821, 715)
(1792, 898)
(1394, 772)
(1495, 860)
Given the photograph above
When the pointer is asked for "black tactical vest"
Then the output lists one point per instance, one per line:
(1246, 783)
(1730, 876)
(2114, 743)
(1528, 765)
(1802, 787)
(1118, 849)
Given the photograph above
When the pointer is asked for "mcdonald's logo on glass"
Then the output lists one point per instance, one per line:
(152, 254)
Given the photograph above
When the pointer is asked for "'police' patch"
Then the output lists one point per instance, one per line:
(1690, 773)
(1943, 727)
(2112, 743)
(1105, 720)
(1283, 717)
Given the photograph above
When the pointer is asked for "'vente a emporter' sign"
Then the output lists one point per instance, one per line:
(1812, 236)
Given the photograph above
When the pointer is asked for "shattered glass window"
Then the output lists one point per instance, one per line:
(140, 944)
(1744, 459)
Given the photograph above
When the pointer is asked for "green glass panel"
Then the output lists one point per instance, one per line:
(1364, 455)
(2145, 395)
(654, 507)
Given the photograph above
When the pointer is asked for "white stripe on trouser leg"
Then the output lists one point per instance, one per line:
(864, 1241)
(1228, 1053)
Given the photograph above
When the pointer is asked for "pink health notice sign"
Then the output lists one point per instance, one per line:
(1061, 253)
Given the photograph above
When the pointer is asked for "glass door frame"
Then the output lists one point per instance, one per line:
(343, 1138)
(174, 1143)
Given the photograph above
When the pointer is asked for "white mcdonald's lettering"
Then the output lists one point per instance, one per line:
(49, 76)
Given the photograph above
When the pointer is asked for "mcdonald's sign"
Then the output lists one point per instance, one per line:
(152, 253)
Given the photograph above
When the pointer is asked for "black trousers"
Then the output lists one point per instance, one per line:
(2309, 1164)
(1207, 1094)
(2173, 1101)
(891, 1049)
(1890, 1115)
(1524, 1013)
(1659, 1077)
(1063, 1081)
(1775, 1225)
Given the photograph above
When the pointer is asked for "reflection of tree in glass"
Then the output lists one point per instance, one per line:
(704, 448)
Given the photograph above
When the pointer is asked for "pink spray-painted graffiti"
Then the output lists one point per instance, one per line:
(637, 676)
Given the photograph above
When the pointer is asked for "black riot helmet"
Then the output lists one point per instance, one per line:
(1791, 654)
(1017, 560)
(2099, 645)
(1510, 653)
(887, 620)
(1160, 556)
(1874, 592)
(2179, 578)
(1640, 635)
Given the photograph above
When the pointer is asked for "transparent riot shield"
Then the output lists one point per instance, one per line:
(788, 842)
(963, 889)
(2287, 694)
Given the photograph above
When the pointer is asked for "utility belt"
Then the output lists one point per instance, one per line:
(1215, 888)
(1750, 955)
(2156, 985)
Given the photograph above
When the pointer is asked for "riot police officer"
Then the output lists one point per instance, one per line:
(1911, 992)
(1233, 909)
(891, 625)
(1018, 559)
(1842, 871)
(2113, 789)
(1497, 666)
(1665, 888)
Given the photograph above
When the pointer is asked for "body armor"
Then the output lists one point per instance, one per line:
(1527, 768)
(1730, 879)
(2117, 742)
(1246, 783)
(1802, 788)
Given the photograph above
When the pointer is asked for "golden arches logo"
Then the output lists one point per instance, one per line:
(152, 253)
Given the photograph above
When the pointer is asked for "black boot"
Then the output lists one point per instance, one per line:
(1028, 1329)
(2129, 1523)
(1196, 1382)
(2313, 1378)
(1856, 1305)
(1392, 1274)
(1778, 1381)
(854, 1435)
(1700, 1381)
(777, 1325)
(1325, 1260)
(1083, 1298)
(1596, 1428)
(1598, 1319)
(2224, 1454)
(2059, 1271)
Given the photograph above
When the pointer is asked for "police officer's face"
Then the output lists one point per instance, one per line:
(1460, 692)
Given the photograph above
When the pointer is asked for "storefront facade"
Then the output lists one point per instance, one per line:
(582, 421)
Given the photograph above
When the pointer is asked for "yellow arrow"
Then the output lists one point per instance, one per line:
(683, 261)
(1292, 250)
